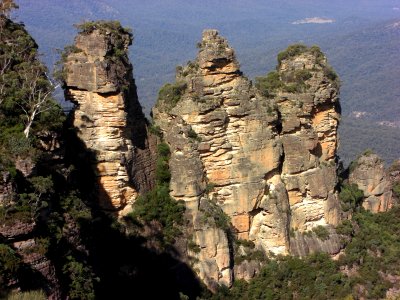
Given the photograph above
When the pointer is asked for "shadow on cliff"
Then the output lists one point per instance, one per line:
(123, 267)
(141, 168)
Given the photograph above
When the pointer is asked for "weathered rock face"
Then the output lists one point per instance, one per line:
(303, 244)
(394, 176)
(269, 170)
(108, 115)
(309, 114)
(20, 235)
(369, 174)
(222, 135)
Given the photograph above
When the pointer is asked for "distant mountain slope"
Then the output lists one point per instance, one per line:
(367, 61)
(358, 135)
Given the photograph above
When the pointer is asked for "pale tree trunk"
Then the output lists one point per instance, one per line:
(27, 129)
(29, 124)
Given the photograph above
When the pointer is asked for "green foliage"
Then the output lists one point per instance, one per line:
(321, 232)
(396, 189)
(251, 255)
(244, 250)
(156, 130)
(374, 248)
(368, 152)
(105, 27)
(315, 277)
(193, 135)
(209, 187)
(345, 228)
(269, 83)
(192, 246)
(214, 215)
(316, 51)
(157, 205)
(34, 195)
(291, 82)
(9, 263)
(295, 81)
(351, 197)
(373, 252)
(190, 68)
(170, 94)
(81, 286)
(163, 150)
(291, 51)
(163, 174)
(26, 105)
(245, 243)
(74, 206)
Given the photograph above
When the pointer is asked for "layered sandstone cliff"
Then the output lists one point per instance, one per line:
(267, 162)
(369, 174)
(223, 143)
(108, 116)
(309, 112)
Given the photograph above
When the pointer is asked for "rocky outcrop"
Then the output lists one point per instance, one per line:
(305, 243)
(108, 116)
(369, 174)
(225, 149)
(20, 235)
(307, 101)
(267, 162)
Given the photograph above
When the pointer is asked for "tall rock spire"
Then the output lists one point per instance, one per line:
(309, 110)
(265, 156)
(225, 148)
(108, 116)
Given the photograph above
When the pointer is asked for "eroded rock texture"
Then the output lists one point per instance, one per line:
(309, 115)
(20, 236)
(108, 116)
(369, 174)
(268, 163)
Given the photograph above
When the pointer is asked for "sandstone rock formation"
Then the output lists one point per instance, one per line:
(108, 116)
(309, 109)
(267, 162)
(369, 174)
(394, 175)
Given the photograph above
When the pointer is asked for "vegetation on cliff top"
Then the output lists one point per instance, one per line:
(294, 81)
(170, 94)
(117, 38)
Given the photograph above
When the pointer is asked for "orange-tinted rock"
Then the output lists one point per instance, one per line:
(369, 174)
(108, 117)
